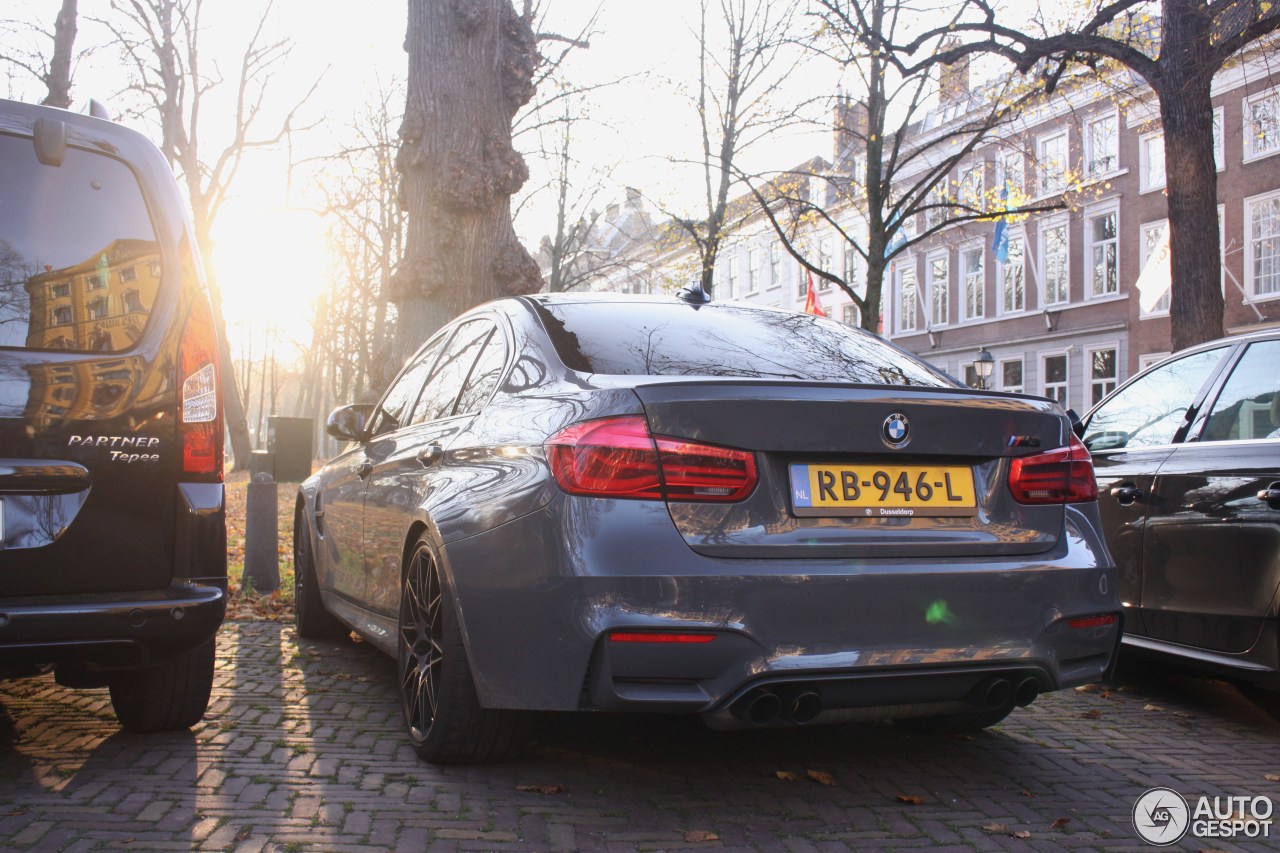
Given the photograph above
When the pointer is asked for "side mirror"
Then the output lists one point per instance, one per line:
(1077, 425)
(348, 423)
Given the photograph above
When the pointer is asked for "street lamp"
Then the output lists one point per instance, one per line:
(984, 365)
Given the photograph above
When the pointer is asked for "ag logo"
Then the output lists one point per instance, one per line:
(896, 430)
(1161, 816)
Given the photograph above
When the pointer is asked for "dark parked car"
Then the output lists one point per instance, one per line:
(1188, 462)
(113, 557)
(655, 504)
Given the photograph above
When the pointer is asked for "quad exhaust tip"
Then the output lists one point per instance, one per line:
(765, 707)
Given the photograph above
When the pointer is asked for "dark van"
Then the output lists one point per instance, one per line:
(113, 559)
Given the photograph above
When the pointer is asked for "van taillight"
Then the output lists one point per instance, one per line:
(1061, 476)
(199, 411)
(619, 458)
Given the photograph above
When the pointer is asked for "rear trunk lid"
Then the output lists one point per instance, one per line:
(850, 471)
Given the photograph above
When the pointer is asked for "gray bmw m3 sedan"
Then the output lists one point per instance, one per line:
(619, 503)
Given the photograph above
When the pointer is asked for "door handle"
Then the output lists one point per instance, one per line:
(431, 454)
(1126, 494)
(1271, 495)
(365, 469)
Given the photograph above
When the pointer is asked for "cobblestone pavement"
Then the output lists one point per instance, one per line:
(302, 750)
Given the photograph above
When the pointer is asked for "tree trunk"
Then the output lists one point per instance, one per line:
(471, 67)
(1186, 110)
(58, 80)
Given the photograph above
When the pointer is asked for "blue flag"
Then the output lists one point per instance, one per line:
(1000, 240)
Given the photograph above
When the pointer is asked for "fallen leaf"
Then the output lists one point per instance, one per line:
(787, 776)
(541, 789)
(1023, 834)
(1025, 793)
(821, 777)
(699, 836)
(1106, 694)
(1095, 714)
(997, 828)
(1087, 688)
(1272, 777)
(1150, 707)
(1060, 823)
(910, 799)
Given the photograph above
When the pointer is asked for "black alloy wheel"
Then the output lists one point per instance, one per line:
(421, 646)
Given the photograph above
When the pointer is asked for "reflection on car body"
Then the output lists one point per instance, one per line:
(584, 503)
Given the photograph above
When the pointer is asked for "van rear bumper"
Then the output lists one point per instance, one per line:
(110, 630)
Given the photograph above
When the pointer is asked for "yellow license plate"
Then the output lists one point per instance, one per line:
(882, 491)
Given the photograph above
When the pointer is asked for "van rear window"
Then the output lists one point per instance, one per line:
(79, 260)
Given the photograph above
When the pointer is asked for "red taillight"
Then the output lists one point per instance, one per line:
(655, 637)
(619, 458)
(1093, 622)
(1061, 476)
(199, 406)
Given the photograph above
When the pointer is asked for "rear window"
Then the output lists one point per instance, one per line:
(673, 339)
(79, 261)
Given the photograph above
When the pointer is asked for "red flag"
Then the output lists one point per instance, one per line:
(811, 303)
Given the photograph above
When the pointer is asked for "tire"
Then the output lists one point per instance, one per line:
(310, 617)
(954, 724)
(168, 697)
(442, 714)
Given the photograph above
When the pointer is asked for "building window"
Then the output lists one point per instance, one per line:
(128, 274)
(1101, 143)
(731, 274)
(1262, 124)
(1051, 163)
(61, 315)
(1104, 260)
(753, 269)
(1152, 233)
(1011, 173)
(939, 290)
(972, 187)
(935, 211)
(97, 309)
(850, 315)
(1011, 376)
(1151, 358)
(61, 290)
(824, 263)
(907, 297)
(802, 283)
(133, 301)
(775, 265)
(1262, 245)
(1013, 291)
(94, 282)
(1102, 374)
(974, 283)
(850, 265)
(1053, 250)
(1151, 161)
(1219, 150)
(1055, 378)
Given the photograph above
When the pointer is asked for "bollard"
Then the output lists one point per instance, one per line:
(261, 535)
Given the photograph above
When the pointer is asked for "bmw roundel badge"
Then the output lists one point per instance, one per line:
(896, 430)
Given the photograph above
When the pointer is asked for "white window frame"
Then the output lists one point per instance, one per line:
(999, 377)
(1045, 187)
(825, 257)
(1042, 261)
(1151, 358)
(850, 267)
(1113, 381)
(945, 290)
(1219, 148)
(1091, 157)
(1251, 150)
(936, 199)
(1251, 244)
(906, 313)
(1045, 387)
(775, 266)
(1146, 182)
(731, 274)
(1148, 233)
(1091, 215)
(973, 185)
(753, 271)
(850, 315)
(1003, 270)
(1013, 172)
(968, 279)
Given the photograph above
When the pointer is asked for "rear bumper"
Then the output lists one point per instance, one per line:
(538, 607)
(108, 631)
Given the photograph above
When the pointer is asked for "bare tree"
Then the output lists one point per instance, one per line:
(892, 166)
(1193, 40)
(734, 108)
(471, 68)
(160, 41)
(55, 72)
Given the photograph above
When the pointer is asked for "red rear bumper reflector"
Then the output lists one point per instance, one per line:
(655, 637)
(1093, 621)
